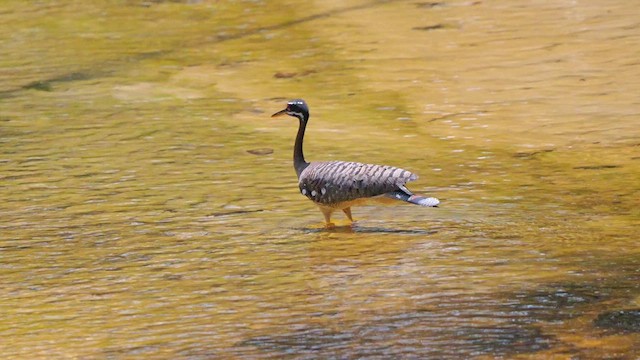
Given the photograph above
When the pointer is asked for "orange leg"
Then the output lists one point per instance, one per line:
(327, 216)
(347, 211)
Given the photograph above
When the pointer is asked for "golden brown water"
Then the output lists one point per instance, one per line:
(143, 214)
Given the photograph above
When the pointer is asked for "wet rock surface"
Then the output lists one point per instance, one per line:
(619, 320)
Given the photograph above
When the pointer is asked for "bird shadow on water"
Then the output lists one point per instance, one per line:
(352, 229)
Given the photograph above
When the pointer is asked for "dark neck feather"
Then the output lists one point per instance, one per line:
(298, 156)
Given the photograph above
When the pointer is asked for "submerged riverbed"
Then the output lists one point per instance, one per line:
(150, 208)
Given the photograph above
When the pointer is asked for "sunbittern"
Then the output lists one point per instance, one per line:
(339, 185)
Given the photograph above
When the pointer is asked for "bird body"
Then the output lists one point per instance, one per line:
(334, 182)
(339, 185)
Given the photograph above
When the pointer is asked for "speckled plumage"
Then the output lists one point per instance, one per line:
(339, 185)
(331, 183)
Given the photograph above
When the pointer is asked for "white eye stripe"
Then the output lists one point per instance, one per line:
(296, 114)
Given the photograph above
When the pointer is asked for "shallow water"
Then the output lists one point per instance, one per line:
(150, 209)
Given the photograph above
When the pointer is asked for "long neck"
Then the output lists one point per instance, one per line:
(298, 156)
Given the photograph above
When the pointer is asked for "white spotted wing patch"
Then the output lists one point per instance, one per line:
(338, 181)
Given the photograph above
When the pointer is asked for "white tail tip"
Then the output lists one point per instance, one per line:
(430, 201)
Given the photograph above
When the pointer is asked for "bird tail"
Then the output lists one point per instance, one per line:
(414, 199)
(424, 201)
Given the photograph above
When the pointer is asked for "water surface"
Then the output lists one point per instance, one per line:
(150, 209)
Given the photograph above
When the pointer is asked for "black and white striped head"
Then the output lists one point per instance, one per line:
(297, 108)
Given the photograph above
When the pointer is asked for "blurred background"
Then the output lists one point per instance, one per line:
(149, 207)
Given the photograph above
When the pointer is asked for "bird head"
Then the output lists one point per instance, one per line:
(297, 108)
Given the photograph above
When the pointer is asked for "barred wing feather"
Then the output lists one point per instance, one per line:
(334, 182)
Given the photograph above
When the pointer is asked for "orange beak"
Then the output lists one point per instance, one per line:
(280, 113)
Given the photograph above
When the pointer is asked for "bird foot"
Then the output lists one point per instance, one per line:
(330, 225)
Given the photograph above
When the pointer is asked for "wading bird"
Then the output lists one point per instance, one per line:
(339, 185)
